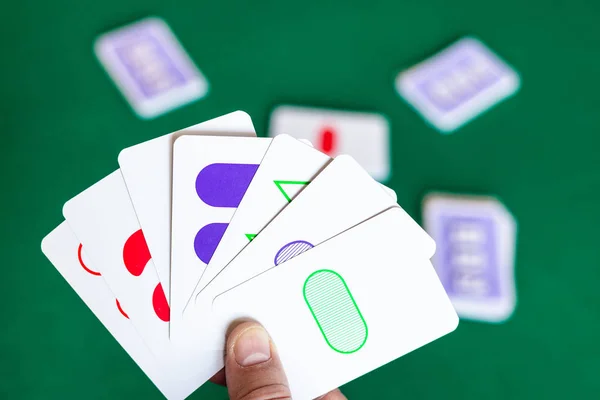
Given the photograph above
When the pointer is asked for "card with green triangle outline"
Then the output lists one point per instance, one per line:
(280, 184)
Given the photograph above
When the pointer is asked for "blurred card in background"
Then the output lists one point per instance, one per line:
(150, 67)
(364, 136)
(475, 237)
(457, 84)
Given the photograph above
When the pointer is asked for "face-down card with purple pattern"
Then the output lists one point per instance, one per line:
(475, 237)
(457, 84)
(150, 67)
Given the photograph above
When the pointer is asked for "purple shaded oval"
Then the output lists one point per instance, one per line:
(207, 239)
(291, 250)
(224, 185)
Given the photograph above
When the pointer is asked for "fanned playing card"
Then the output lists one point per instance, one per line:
(210, 176)
(147, 169)
(345, 308)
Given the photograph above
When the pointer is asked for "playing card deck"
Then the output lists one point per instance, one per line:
(457, 84)
(475, 238)
(210, 224)
(150, 67)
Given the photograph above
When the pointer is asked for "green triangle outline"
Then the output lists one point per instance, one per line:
(250, 236)
(279, 183)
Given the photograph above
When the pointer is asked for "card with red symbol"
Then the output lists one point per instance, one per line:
(178, 372)
(364, 136)
(210, 177)
(147, 169)
(103, 219)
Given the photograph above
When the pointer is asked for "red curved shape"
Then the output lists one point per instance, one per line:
(121, 310)
(83, 264)
(160, 304)
(327, 140)
(136, 253)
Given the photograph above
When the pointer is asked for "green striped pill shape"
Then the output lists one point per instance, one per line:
(335, 311)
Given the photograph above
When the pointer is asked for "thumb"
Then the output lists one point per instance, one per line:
(252, 365)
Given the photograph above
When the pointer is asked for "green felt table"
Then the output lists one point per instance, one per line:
(63, 123)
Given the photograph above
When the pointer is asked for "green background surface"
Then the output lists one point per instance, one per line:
(63, 123)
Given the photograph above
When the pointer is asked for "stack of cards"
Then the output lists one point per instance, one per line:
(210, 224)
(150, 67)
(476, 238)
(457, 84)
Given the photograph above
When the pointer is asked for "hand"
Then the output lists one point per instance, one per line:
(253, 370)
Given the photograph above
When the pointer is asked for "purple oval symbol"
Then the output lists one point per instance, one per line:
(291, 250)
(207, 239)
(224, 185)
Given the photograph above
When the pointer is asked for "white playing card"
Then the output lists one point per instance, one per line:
(147, 169)
(364, 136)
(210, 176)
(476, 238)
(346, 307)
(65, 252)
(103, 219)
(341, 196)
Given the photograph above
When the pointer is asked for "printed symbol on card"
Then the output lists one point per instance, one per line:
(470, 253)
(90, 271)
(289, 189)
(136, 256)
(336, 313)
(327, 140)
(220, 185)
(224, 185)
(250, 236)
(136, 253)
(82, 263)
(160, 304)
(291, 250)
(121, 309)
(207, 239)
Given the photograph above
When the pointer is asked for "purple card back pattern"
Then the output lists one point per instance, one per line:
(467, 259)
(149, 61)
(458, 76)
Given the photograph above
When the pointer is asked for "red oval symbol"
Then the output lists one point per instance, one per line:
(121, 310)
(136, 253)
(79, 256)
(327, 140)
(160, 304)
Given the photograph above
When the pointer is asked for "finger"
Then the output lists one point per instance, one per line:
(219, 378)
(252, 365)
(333, 395)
